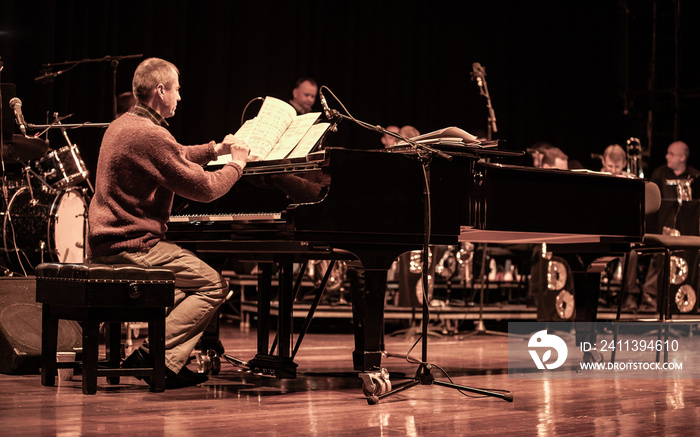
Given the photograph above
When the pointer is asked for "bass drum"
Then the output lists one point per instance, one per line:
(50, 227)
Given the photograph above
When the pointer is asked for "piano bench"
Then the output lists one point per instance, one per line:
(95, 293)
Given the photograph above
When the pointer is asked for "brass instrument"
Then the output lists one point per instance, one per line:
(634, 157)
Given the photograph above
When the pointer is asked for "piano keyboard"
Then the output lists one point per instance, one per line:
(232, 217)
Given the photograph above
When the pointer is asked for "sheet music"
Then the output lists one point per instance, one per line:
(242, 133)
(277, 131)
(272, 120)
(309, 140)
(294, 133)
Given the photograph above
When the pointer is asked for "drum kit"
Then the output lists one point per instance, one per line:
(44, 215)
(44, 209)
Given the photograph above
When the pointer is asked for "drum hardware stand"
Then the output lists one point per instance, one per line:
(56, 124)
(42, 249)
(28, 173)
(46, 127)
(72, 147)
(376, 391)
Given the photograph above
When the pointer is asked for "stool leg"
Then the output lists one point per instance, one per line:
(91, 349)
(156, 336)
(49, 345)
(113, 345)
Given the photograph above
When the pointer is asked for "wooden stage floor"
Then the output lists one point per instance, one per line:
(326, 398)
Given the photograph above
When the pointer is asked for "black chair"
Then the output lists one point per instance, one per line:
(111, 294)
(666, 245)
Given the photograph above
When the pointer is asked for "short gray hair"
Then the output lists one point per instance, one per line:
(149, 74)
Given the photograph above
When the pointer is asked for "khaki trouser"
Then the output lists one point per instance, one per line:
(199, 290)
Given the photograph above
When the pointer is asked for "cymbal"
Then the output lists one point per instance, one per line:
(25, 148)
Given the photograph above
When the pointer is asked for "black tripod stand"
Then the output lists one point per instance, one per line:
(423, 375)
(375, 384)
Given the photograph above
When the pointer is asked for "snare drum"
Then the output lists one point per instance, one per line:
(50, 227)
(63, 167)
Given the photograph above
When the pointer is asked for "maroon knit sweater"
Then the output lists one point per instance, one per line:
(139, 169)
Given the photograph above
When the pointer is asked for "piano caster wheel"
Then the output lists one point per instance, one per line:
(375, 384)
(208, 363)
(592, 357)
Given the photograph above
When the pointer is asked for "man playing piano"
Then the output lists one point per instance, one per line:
(140, 168)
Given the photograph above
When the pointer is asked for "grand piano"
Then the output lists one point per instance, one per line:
(370, 206)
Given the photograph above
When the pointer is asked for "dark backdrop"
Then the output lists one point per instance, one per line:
(557, 71)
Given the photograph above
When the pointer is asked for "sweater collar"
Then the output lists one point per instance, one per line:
(143, 110)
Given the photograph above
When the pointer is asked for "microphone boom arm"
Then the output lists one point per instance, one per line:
(377, 128)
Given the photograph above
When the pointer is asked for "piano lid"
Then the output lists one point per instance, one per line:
(557, 202)
(471, 235)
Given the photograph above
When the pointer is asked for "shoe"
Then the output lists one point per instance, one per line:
(138, 359)
(185, 378)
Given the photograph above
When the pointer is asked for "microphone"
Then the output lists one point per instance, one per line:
(16, 105)
(326, 109)
(48, 76)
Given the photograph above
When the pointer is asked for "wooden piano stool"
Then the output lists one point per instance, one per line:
(96, 293)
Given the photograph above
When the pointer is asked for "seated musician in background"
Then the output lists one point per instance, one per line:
(537, 152)
(125, 102)
(409, 131)
(140, 168)
(614, 161)
(388, 140)
(304, 95)
(553, 157)
(672, 217)
(684, 218)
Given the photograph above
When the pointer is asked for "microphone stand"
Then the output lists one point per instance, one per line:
(3, 176)
(423, 375)
(48, 74)
(479, 75)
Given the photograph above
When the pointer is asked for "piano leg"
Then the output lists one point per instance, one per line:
(264, 297)
(266, 361)
(368, 289)
(587, 291)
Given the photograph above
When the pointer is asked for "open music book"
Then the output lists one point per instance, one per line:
(277, 132)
